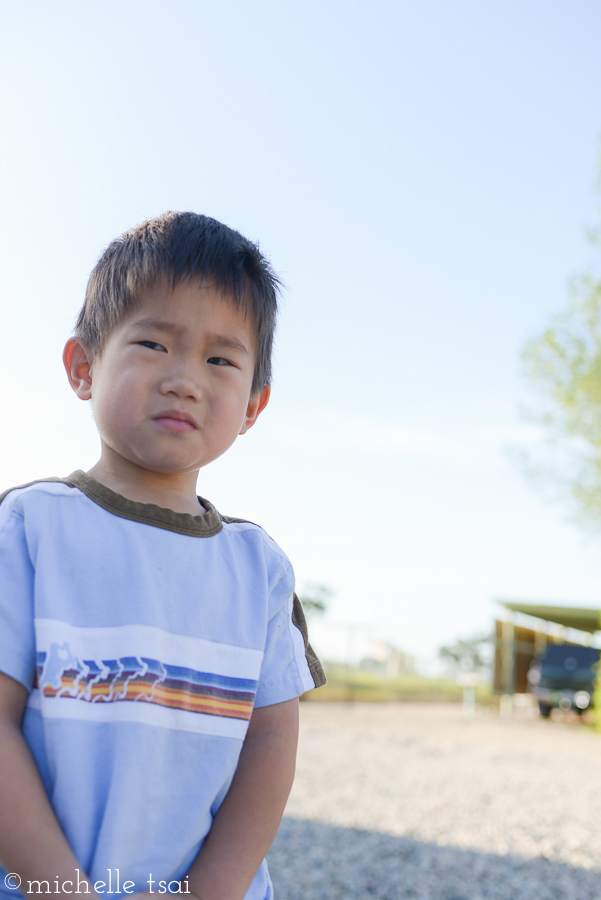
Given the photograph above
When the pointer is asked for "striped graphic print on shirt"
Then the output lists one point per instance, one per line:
(139, 673)
(137, 679)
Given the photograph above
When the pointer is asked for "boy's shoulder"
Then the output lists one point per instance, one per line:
(242, 526)
(15, 499)
(30, 484)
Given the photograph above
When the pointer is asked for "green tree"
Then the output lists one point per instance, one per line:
(563, 364)
(468, 655)
(315, 598)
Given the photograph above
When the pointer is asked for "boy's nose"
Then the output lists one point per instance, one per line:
(182, 383)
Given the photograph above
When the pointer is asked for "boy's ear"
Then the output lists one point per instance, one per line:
(256, 405)
(78, 365)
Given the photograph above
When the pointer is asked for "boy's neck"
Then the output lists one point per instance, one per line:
(170, 492)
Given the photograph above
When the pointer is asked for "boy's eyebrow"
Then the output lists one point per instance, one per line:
(223, 340)
(227, 340)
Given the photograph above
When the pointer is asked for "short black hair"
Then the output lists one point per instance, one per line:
(182, 246)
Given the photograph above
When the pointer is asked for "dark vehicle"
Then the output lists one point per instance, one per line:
(564, 677)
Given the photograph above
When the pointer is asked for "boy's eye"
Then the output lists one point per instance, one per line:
(152, 345)
(218, 361)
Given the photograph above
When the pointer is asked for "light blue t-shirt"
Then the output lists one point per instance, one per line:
(145, 638)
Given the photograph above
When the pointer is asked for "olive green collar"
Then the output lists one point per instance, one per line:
(147, 513)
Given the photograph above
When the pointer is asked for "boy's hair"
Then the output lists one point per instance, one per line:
(181, 246)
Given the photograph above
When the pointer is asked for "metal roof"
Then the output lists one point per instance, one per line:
(569, 616)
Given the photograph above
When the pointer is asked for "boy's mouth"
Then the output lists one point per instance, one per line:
(176, 420)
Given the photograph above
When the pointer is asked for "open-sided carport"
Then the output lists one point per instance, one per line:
(516, 646)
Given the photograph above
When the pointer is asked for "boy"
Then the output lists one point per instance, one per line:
(151, 650)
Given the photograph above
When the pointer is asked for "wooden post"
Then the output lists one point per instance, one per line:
(508, 666)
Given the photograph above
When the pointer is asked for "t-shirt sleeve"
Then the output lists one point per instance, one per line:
(17, 638)
(290, 667)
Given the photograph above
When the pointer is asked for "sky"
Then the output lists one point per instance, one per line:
(423, 178)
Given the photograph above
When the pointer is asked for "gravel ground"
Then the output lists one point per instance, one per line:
(398, 801)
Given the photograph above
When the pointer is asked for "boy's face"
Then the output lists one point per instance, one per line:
(171, 389)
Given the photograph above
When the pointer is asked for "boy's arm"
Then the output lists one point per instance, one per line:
(248, 818)
(32, 843)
